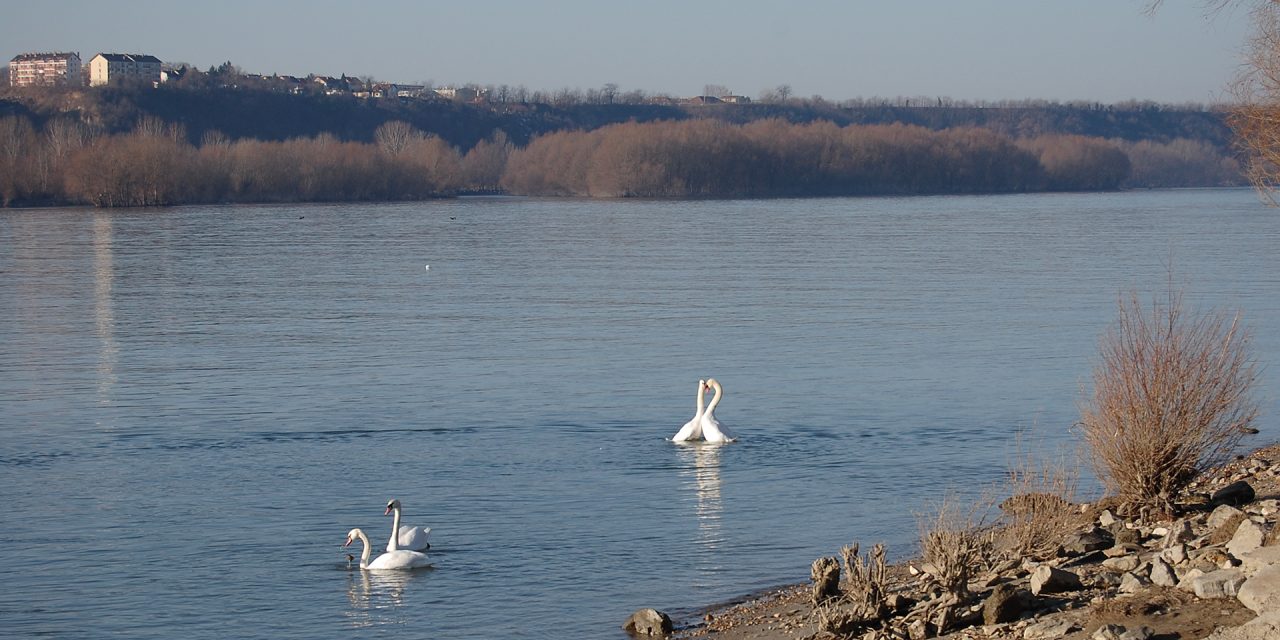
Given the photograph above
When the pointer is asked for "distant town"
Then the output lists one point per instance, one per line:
(64, 68)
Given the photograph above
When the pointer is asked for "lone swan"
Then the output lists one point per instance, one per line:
(406, 537)
(712, 430)
(692, 430)
(391, 560)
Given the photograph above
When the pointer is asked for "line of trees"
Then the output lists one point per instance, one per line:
(69, 162)
(710, 158)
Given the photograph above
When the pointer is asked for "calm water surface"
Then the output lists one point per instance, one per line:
(196, 404)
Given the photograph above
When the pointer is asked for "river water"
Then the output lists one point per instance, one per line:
(197, 403)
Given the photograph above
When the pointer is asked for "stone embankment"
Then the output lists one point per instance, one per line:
(1213, 572)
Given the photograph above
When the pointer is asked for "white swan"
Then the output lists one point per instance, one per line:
(692, 430)
(712, 430)
(399, 559)
(406, 537)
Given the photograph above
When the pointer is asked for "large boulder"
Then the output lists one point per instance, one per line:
(1263, 627)
(1047, 579)
(1248, 536)
(1005, 604)
(1222, 515)
(1223, 583)
(1237, 494)
(648, 622)
(1162, 574)
(1261, 592)
(1091, 540)
(1258, 559)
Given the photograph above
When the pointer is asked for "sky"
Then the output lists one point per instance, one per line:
(1094, 50)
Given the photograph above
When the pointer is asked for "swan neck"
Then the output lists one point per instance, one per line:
(715, 400)
(702, 398)
(394, 543)
(364, 555)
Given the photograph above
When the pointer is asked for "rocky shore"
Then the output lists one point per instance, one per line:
(1211, 570)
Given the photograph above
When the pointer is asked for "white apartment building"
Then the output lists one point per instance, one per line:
(45, 69)
(106, 68)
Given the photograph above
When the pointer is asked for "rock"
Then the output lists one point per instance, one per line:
(1221, 515)
(1108, 632)
(648, 622)
(1125, 536)
(1048, 629)
(1005, 604)
(1179, 532)
(1162, 574)
(1236, 494)
(1106, 518)
(1248, 537)
(1122, 564)
(1176, 554)
(1212, 557)
(1261, 593)
(1187, 583)
(1132, 583)
(1265, 507)
(1263, 627)
(920, 629)
(1047, 579)
(1141, 633)
(1223, 583)
(1253, 561)
(1092, 540)
(1117, 632)
(897, 602)
(1121, 550)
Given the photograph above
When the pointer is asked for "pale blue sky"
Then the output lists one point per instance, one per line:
(1102, 50)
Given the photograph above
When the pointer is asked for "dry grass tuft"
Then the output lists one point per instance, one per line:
(1171, 399)
(1042, 509)
(957, 545)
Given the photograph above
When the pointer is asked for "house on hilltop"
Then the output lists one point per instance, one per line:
(108, 68)
(45, 69)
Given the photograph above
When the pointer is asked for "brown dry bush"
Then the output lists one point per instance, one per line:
(955, 542)
(1041, 510)
(1171, 398)
(865, 579)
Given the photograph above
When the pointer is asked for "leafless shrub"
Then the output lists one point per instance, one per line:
(1171, 398)
(956, 544)
(837, 622)
(1041, 510)
(865, 579)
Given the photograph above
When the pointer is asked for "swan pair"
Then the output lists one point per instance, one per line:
(404, 548)
(703, 425)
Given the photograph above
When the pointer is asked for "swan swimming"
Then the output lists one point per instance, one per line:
(712, 430)
(398, 559)
(405, 537)
(692, 430)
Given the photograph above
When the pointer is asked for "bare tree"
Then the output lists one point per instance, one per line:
(396, 136)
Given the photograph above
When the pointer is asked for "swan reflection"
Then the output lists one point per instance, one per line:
(702, 464)
(377, 597)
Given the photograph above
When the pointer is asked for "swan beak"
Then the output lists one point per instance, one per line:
(347, 543)
(387, 512)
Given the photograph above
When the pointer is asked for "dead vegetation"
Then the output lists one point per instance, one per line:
(1171, 399)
